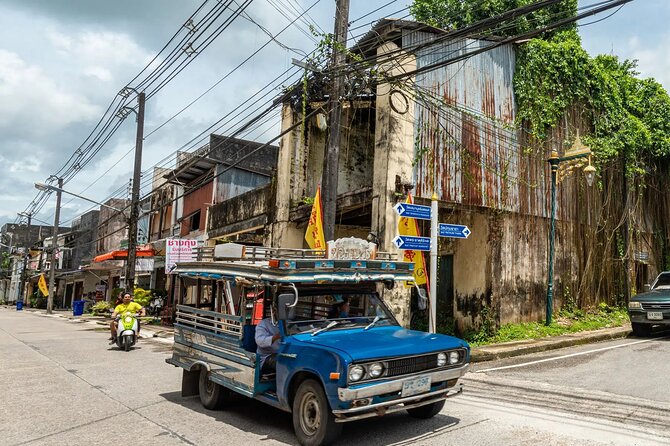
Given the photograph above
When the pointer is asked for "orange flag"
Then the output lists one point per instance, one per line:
(314, 235)
(408, 226)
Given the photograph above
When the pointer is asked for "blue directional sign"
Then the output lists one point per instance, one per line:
(453, 231)
(413, 211)
(412, 243)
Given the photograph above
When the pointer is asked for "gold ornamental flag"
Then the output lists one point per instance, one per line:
(408, 226)
(42, 285)
(314, 235)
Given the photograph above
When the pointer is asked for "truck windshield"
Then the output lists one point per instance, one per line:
(314, 312)
(662, 281)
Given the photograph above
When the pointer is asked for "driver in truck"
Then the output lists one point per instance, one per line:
(267, 342)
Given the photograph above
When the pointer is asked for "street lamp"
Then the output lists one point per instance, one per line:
(52, 270)
(578, 152)
(48, 187)
(24, 271)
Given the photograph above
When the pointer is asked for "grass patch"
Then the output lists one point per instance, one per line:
(564, 322)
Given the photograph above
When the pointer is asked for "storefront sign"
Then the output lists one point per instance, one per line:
(179, 250)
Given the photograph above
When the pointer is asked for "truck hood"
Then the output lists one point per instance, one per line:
(658, 295)
(381, 342)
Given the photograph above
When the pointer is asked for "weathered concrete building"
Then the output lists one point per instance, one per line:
(432, 127)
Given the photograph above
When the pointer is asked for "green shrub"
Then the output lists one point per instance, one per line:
(142, 296)
(101, 308)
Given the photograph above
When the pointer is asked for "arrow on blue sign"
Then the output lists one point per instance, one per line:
(412, 243)
(413, 211)
(454, 231)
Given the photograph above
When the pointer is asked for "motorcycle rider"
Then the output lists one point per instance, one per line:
(126, 306)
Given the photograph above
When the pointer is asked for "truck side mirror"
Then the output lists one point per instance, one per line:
(285, 306)
(647, 286)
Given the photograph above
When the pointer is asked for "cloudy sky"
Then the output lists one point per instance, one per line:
(63, 61)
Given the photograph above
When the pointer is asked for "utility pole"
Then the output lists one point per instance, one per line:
(135, 197)
(332, 158)
(54, 244)
(24, 289)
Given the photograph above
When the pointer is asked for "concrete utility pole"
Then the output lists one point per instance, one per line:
(332, 158)
(24, 289)
(135, 198)
(54, 244)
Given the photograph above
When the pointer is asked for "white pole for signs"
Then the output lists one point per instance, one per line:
(432, 298)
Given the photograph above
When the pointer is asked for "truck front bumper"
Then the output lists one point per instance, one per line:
(368, 392)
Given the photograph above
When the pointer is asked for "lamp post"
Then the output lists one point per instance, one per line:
(52, 271)
(578, 151)
(24, 274)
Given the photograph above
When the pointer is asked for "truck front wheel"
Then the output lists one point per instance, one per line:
(641, 330)
(313, 422)
(427, 411)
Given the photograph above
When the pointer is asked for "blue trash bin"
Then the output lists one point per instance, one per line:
(78, 307)
(19, 305)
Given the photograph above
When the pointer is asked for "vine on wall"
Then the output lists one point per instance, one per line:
(627, 121)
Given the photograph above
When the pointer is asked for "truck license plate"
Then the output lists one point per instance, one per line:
(655, 315)
(416, 386)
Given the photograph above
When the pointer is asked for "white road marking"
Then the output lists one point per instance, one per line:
(567, 356)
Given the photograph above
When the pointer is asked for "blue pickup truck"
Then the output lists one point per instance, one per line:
(332, 366)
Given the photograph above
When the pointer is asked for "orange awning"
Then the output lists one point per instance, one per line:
(122, 254)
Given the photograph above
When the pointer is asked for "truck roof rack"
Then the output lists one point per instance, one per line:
(252, 254)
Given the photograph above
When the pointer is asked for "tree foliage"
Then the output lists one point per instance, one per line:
(454, 14)
(630, 117)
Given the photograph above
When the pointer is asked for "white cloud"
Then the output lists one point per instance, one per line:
(31, 99)
(99, 73)
(653, 57)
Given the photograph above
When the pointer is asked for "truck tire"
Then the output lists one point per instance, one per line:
(427, 411)
(641, 330)
(313, 423)
(212, 395)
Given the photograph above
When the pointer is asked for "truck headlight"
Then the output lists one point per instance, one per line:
(356, 373)
(375, 370)
(454, 357)
(634, 305)
(441, 359)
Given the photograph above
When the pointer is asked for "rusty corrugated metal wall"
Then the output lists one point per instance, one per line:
(472, 153)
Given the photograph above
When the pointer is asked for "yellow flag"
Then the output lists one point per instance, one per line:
(314, 235)
(42, 285)
(408, 226)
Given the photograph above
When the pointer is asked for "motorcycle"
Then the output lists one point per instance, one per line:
(126, 330)
(156, 306)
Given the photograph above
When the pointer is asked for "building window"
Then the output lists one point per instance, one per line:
(195, 221)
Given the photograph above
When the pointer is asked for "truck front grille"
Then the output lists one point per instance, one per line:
(415, 364)
(655, 306)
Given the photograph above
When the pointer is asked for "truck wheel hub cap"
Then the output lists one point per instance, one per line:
(310, 414)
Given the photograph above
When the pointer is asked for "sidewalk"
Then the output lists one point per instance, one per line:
(147, 330)
(525, 347)
(478, 354)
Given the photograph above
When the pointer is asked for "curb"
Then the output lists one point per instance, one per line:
(477, 354)
(517, 348)
(147, 332)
